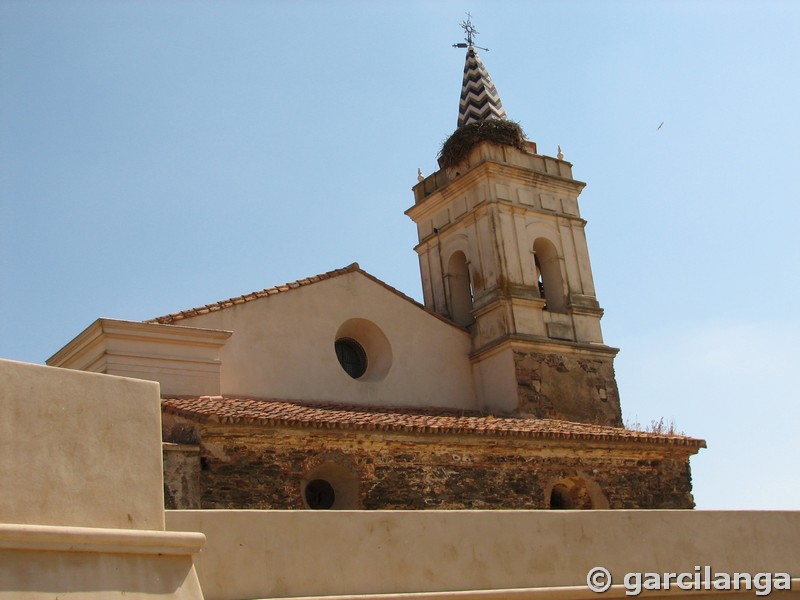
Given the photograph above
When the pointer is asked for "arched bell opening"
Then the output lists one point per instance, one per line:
(460, 288)
(548, 275)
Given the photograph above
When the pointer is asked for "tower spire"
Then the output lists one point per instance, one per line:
(479, 98)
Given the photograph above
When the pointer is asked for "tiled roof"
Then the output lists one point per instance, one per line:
(327, 415)
(479, 98)
(279, 289)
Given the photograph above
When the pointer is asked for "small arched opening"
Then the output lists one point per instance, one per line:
(548, 275)
(560, 498)
(319, 494)
(330, 486)
(576, 493)
(460, 287)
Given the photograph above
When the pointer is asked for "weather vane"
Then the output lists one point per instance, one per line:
(471, 32)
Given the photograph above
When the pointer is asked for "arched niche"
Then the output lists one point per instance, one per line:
(459, 287)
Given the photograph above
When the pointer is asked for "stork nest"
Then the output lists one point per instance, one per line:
(458, 146)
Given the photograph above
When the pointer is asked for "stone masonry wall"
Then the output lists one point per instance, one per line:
(573, 387)
(259, 467)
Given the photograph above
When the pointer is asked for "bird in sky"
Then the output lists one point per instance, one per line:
(659, 127)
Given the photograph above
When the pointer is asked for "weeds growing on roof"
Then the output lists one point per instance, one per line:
(660, 427)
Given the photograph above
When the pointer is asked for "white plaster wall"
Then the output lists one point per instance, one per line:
(182, 360)
(283, 347)
(187, 378)
(497, 379)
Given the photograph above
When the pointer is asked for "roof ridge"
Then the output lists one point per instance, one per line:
(338, 415)
(270, 291)
(349, 406)
(285, 287)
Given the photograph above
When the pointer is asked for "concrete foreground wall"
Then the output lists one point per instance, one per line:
(40, 562)
(81, 500)
(79, 449)
(260, 554)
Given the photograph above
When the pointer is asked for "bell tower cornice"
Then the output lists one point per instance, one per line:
(493, 163)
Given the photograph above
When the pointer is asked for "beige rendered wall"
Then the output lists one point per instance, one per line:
(497, 379)
(253, 554)
(47, 563)
(283, 347)
(79, 449)
(81, 501)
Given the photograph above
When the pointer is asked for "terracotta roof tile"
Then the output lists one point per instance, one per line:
(279, 289)
(329, 415)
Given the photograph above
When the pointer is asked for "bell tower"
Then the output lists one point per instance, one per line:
(503, 253)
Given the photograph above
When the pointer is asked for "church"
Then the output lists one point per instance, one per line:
(338, 391)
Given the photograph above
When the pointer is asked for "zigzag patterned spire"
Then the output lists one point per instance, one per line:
(479, 98)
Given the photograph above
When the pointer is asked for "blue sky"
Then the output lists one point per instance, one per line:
(156, 156)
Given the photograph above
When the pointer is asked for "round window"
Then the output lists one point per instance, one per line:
(320, 494)
(351, 356)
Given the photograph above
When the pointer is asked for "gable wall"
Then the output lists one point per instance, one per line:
(283, 347)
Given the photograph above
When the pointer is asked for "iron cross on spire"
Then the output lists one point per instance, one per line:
(471, 32)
